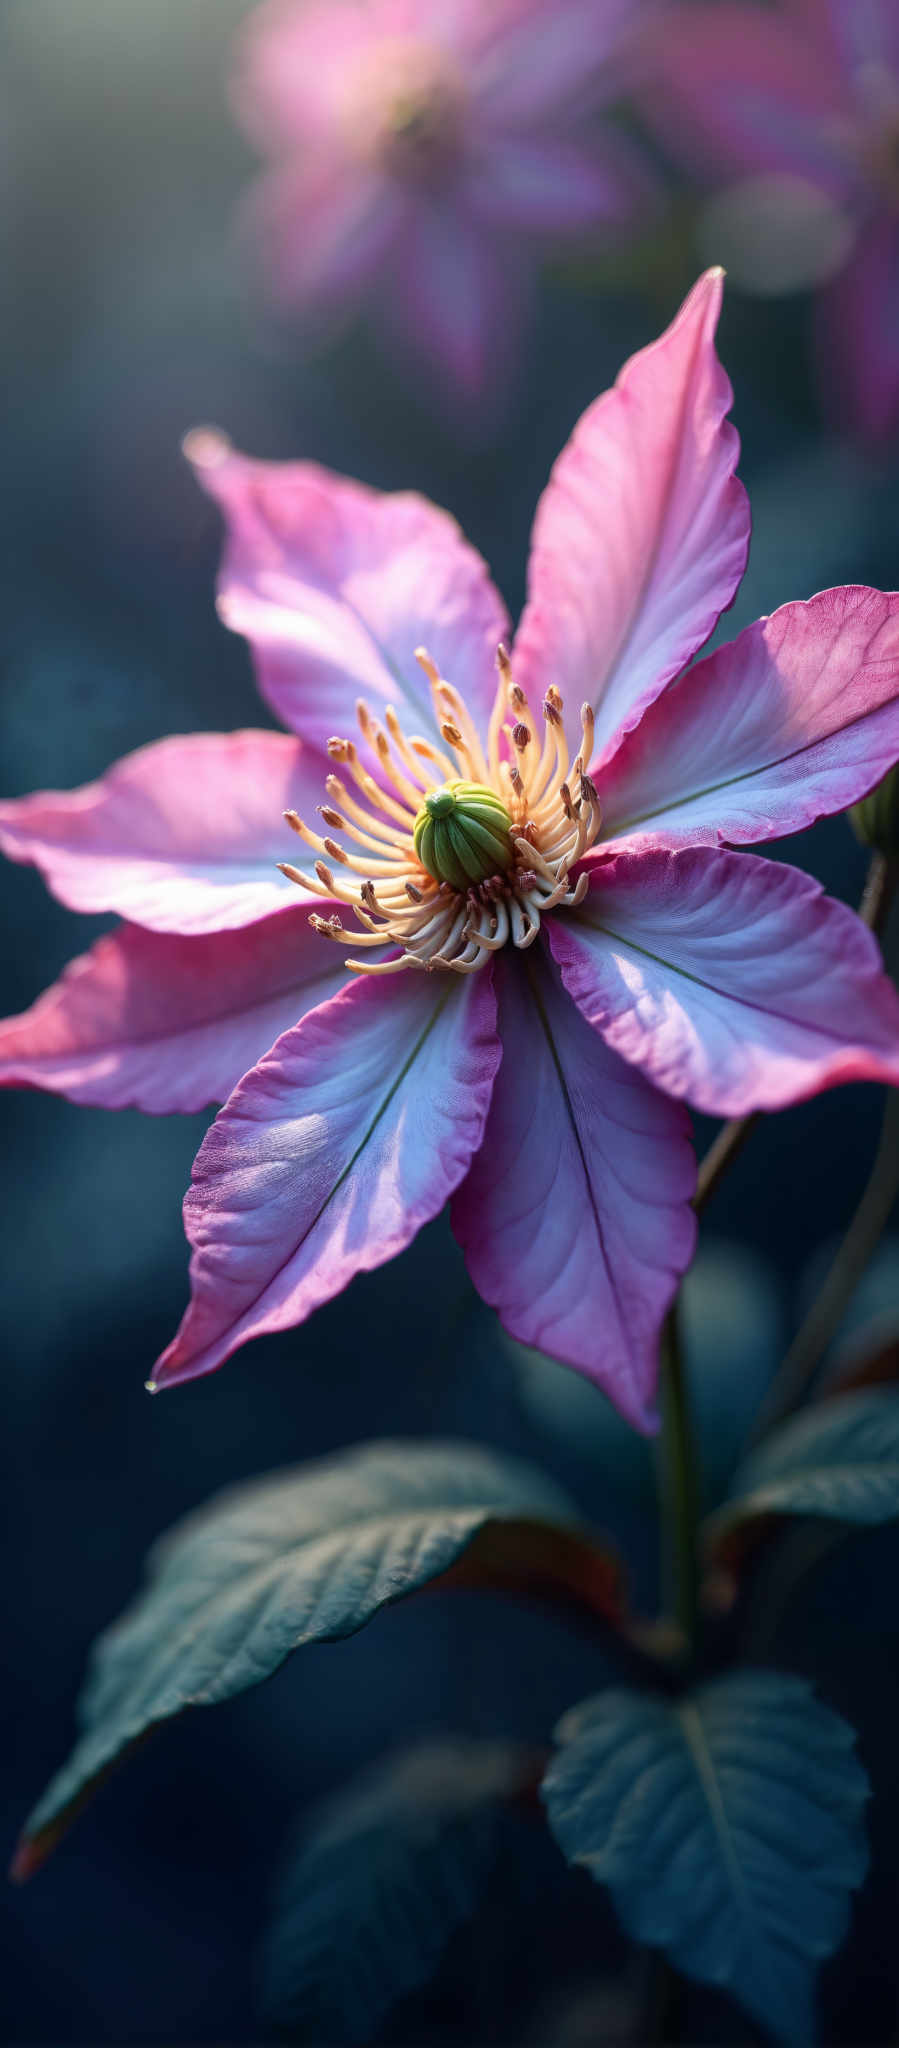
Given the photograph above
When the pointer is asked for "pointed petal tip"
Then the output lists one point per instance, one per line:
(648, 1421)
(26, 1858)
(206, 448)
(709, 290)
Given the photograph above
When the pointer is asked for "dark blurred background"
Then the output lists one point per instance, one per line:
(127, 319)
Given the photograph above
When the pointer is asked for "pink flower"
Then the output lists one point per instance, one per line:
(797, 109)
(602, 957)
(423, 152)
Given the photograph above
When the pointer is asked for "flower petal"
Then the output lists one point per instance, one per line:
(733, 87)
(160, 1022)
(796, 718)
(181, 836)
(331, 1154)
(857, 335)
(641, 536)
(460, 299)
(335, 586)
(575, 1218)
(290, 66)
(558, 188)
(324, 231)
(534, 65)
(730, 980)
(865, 38)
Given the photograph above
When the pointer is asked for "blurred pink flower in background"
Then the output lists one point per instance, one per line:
(796, 107)
(522, 1036)
(424, 153)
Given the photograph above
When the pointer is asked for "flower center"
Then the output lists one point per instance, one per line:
(463, 834)
(456, 852)
(419, 136)
(405, 110)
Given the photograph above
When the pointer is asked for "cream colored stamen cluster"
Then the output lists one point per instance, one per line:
(552, 805)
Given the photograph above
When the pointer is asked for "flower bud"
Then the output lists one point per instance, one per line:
(463, 835)
(875, 821)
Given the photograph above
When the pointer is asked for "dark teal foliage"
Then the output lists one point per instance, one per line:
(727, 1826)
(376, 1886)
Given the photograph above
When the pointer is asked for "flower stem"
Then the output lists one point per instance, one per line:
(678, 1486)
(827, 1309)
(724, 1148)
(879, 891)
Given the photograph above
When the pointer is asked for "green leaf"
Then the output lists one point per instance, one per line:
(303, 1556)
(372, 1894)
(839, 1459)
(727, 1825)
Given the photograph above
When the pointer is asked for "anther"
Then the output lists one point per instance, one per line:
(292, 819)
(293, 874)
(517, 697)
(336, 852)
(332, 818)
(367, 893)
(521, 736)
(590, 790)
(567, 804)
(452, 734)
(551, 711)
(515, 779)
(414, 895)
(324, 875)
(503, 663)
(339, 750)
(430, 667)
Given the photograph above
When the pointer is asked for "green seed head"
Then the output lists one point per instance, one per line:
(875, 820)
(463, 834)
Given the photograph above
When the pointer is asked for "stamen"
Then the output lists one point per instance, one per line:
(382, 966)
(378, 832)
(430, 667)
(402, 745)
(496, 715)
(296, 875)
(516, 801)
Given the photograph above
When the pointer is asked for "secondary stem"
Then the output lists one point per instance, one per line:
(723, 1150)
(880, 888)
(830, 1304)
(679, 1492)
